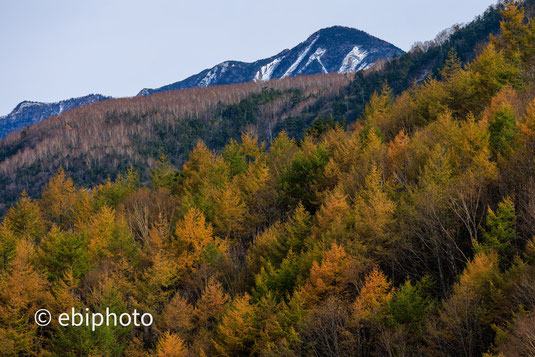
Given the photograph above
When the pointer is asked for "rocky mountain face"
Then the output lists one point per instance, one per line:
(27, 113)
(330, 50)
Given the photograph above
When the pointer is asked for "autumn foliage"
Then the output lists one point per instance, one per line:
(408, 233)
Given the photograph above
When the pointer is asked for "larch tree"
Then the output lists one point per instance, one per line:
(237, 333)
(23, 290)
(170, 345)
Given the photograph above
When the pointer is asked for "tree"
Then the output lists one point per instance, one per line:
(490, 72)
(475, 172)
(234, 156)
(464, 324)
(61, 252)
(519, 339)
(452, 66)
(110, 339)
(280, 153)
(426, 211)
(333, 276)
(229, 211)
(155, 284)
(8, 244)
(502, 128)
(170, 345)
(374, 212)
(211, 305)
(109, 235)
(240, 155)
(410, 304)
(112, 193)
(23, 290)
(177, 317)
(372, 302)
(278, 281)
(326, 330)
(295, 233)
(500, 233)
(204, 169)
(516, 36)
(58, 200)
(303, 177)
(398, 156)
(236, 334)
(370, 311)
(162, 175)
(378, 111)
(333, 218)
(195, 244)
(25, 219)
(277, 323)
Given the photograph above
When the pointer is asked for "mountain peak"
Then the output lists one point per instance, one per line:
(29, 112)
(332, 49)
(338, 29)
(25, 104)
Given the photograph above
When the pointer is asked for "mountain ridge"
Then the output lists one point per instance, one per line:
(30, 112)
(337, 49)
(333, 49)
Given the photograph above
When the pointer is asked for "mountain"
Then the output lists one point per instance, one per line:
(403, 232)
(27, 113)
(335, 49)
(104, 139)
(424, 60)
(100, 140)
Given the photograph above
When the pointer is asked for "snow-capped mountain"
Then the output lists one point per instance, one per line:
(28, 113)
(334, 49)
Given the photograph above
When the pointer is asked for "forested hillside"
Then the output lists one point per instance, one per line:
(103, 140)
(98, 141)
(408, 233)
(423, 60)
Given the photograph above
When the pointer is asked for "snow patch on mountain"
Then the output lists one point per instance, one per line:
(299, 59)
(209, 78)
(214, 74)
(223, 67)
(316, 56)
(265, 72)
(353, 61)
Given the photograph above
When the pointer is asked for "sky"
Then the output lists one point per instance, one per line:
(58, 49)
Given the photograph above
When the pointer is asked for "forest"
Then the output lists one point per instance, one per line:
(101, 140)
(408, 232)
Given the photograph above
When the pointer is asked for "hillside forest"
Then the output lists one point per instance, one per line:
(101, 140)
(408, 232)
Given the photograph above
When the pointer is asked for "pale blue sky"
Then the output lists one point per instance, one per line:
(58, 49)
